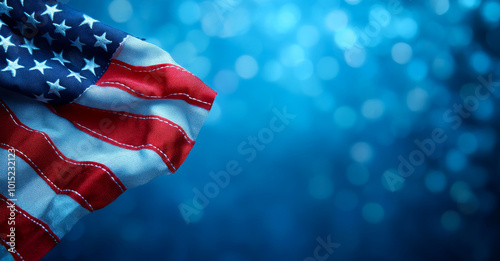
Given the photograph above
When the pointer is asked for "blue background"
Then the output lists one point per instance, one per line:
(364, 80)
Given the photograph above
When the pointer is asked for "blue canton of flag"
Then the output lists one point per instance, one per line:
(51, 52)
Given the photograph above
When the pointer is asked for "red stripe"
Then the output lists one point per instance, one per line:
(90, 184)
(131, 131)
(158, 82)
(33, 238)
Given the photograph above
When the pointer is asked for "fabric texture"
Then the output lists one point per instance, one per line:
(86, 113)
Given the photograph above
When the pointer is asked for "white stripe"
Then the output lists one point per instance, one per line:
(132, 167)
(35, 196)
(189, 117)
(5, 255)
(140, 53)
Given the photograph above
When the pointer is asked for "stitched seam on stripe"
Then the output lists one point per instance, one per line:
(15, 251)
(36, 223)
(146, 118)
(41, 172)
(128, 145)
(151, 96)
(156, 69)
(74, 163)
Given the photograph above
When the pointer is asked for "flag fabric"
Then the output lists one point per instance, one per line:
(86, 112)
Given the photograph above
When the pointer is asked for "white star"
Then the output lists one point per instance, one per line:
(31, 19)
(55, 88)
(4, 8)
(30, 46)
(12, 67)
(76, 43)
(41, 98)
(40, 66)
(59, 57)
(22, 2)
(61, 28)
(88, 20)
(5, 42)
(50, 11)
(1, 24)
(76, 75)
(102, 41)
(90, 65)
(48, 37)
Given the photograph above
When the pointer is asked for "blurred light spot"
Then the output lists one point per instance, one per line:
(355, 56)
(450, 220)
(272, 71)
(391, 180)
(233, 23)
(307, 35)
(346, 200)
(467, 143)
(361, 152)
(407, 28)
(401, 53)
(469, 206)
(470, 4)
(304, 70)
(480, 62)
(456, 160)
(336, 20)
(440, 6)
(327, 68)
(345, 117)
(292, 55)
(417, 99)
(321, 187)
(226, 82)
(379, 17)
(246, 67)
(184, 53)
(373, 213)
(287, 18)
(443, 66)
(189, 12)
(211, 24)
(358, 174)
(311, 87)
(120, 11)
(417, 70)
(373, 109)
(345, 38)
(460, 192)
(435, 181)
(491, 11)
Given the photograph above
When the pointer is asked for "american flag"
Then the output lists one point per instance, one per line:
(86, 112)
